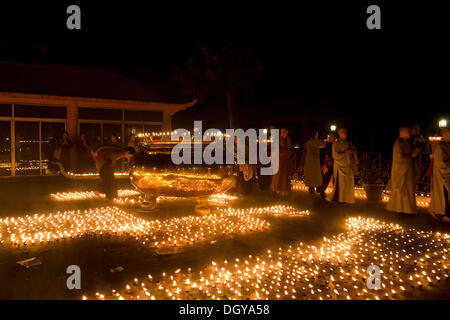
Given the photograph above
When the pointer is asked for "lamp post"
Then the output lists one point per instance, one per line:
(442, 123)
(333, 128)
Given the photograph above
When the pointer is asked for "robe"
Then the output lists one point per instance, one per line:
(313, 171)
(403, 198)
(441, 177)
(345, 166)
(281, 181)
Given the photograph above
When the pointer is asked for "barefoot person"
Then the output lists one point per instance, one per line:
(345, 166)
(105, 161)
(440, 204)
(281, 181)
(403, 198)
(312, 170)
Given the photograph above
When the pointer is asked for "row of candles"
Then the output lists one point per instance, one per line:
(131, 197)
(89, 195)
(298, 185)
(409, 261)
(422, 200)
(45, 228)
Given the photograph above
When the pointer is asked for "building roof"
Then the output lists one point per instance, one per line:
(74, 82)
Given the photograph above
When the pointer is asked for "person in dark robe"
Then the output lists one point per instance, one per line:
(418, 141)
(83, 154)
(345, 166)
(97, 143)
(105, 159)
(65, 145)
(327, 164)
(312, 169)
(403, 198)
(281, 181)
(113, 140)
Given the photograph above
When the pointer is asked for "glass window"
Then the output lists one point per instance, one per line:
(5, 148)
(27, 148)
(51, 132)
(152, 128)
(28, 111)
(110, 129)
(99, 114)
(93, 133)
(132, 129)
(135, 115)
(5, 110)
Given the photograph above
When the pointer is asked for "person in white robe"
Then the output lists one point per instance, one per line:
(345, 166)
(312, 170)
(403, 182)
(440, 191)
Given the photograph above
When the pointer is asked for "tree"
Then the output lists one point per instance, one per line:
(232, 73)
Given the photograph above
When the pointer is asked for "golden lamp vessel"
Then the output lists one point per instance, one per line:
(154, 174)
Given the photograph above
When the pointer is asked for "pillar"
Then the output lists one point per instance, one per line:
(72, 129)
(167, 121)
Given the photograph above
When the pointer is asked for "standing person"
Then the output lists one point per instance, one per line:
(440, 203)
(418, 141)
(312, 170)
(132, 145)
(327, 164)
(105, 161)
(113, 140)
(97, 143)
(281, 181)
(132, 141)
(345, 166)
(403, 181)
(65, 145)
(83, 153)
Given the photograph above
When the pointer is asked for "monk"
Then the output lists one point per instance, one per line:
(345, 166)
(403, 197)
(312, 170)
(281, 181)
(440, 191)
(105, 159)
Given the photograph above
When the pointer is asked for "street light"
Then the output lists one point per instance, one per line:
(333, 128)
(442, 123)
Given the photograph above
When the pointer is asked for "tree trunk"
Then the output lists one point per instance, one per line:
(231, 107)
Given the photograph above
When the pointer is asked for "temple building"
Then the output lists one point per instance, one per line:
(38, 102)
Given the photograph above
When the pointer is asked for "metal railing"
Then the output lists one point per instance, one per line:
(380, 162)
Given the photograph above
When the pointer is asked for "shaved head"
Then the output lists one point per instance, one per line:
(343, 133)
(405, 132)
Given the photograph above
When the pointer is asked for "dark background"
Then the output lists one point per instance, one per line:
(318, 58)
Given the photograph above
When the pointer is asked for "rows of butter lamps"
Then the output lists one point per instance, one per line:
(40, 229)
(410, 261)
(44, 228)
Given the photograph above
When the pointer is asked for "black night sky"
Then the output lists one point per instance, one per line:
(316, 59)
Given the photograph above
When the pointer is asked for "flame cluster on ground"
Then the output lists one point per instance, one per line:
(41, 229)
(278, 210)
(132, 197)
(422, 200)
(409, 262)
(298, 185)
(87, 195)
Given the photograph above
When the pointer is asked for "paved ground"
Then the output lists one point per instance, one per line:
(97, 255)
